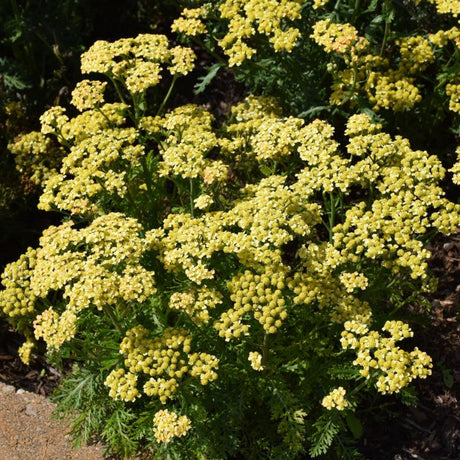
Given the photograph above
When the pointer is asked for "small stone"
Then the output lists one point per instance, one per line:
(30, 410)
(8, 389)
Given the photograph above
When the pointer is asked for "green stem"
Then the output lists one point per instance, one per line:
(117, 89)
(104, 115)
(210, 51)
(165, 100)
(108, 311)
(332, 211)
(191, 197)
(265, 351)
(355, 11)
(386, 32)
(330, 214)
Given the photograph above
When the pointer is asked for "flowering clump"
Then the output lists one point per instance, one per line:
(370, 74)
(395, 367)
(246, 269)
(102, 272)
(137, 61)
(264, 17)
(164, 360)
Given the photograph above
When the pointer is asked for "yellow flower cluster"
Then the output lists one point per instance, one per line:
(164, 360)
(95, 165)
(203, 365)
(410, 201)
(263, 17)
(275, 138)
(55, 329)
(88, 94)
(169, 425)
(335, 399)
(122, 385)
(203, 202)
(25, 350)
(371, 74)
(182, 60)
(453, 91)
(185, 243)
(104, 270)
(196, 303)
(258, 295)
(327, 170)
(319, 3)
(455, 170)
(37, 156)
(338, 38)
(190, 22)
(255, 358)
(137, 61)
(18, 299)
(353, 281)
(53, 120)
(445, 6)
(94, 266)
(248, 117)
(395, 367)
(189, 137)
(416, 54)
(392, 91)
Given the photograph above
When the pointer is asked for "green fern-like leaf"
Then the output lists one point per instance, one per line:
(344, 372)
(325, 430)
(120, 432)
(207, 79)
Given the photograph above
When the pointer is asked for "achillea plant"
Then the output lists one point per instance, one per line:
(233, 290)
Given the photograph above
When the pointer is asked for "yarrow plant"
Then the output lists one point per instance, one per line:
(224, 289)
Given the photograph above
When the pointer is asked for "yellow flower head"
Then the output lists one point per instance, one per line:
(190, 22)
(255, 358)
(183, 60)
(88, 94)
(168, 425)
(335, 399)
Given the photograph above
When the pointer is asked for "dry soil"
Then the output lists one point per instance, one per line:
(28, 431)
